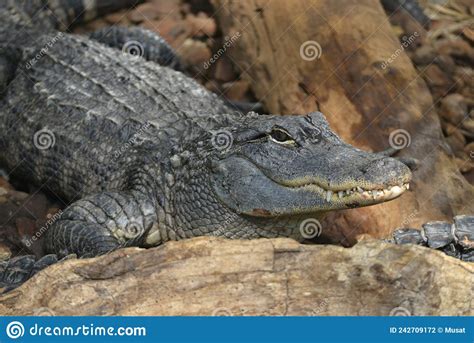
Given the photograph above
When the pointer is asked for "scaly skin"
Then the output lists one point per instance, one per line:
(145, 154)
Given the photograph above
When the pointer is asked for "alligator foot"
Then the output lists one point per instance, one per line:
(86, 230)
(19, 269)
(100, 223)
(456, 239)
(139, 42)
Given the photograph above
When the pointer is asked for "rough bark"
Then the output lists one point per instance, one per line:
(364, 95)
(212, 276)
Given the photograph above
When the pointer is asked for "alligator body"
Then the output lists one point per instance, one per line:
(144, 154)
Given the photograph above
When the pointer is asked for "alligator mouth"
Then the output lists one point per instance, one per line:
(356, 193)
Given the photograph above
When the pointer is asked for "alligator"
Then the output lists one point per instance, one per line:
(143, 154)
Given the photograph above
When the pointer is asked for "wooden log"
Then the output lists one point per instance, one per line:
(213, 276)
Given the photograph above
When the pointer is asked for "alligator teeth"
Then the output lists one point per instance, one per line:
(328, 196)
(389, 193)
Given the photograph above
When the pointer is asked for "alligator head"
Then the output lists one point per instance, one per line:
(285, 165)
(268, 168)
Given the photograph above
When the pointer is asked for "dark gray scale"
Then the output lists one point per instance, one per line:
(468, 256)
(456, 240)
(438, 234)
(464, 231)
(408, 236)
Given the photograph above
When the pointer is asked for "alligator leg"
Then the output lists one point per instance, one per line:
(456, 239)
(139, 42)
(89, 227)
(101, 223)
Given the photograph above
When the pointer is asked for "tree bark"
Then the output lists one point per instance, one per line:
(212, 276)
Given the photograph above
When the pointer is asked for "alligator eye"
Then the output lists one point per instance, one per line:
(281, 136)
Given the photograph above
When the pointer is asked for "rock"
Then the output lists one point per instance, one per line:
(468, 33)
(458, 48)
(236, 90)
(213, 86)
(144, 12)
(167, 7)
(255, 277)
(464, 164)
(468, 124)
(424, 55)
(37, 205)
(194, 52)
(453, 108)
(469, 149)
(202, 25)
(224, 71)
(457, 142)
(117, 18)
(440, 83)
(26, 228)
(174, 31)
(5, 184)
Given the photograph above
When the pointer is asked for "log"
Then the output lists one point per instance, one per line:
(214, 276)
(342, 58)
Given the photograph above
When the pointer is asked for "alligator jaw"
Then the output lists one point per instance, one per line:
(355, 194)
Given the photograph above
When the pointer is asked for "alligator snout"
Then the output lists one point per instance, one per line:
(385, 172)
